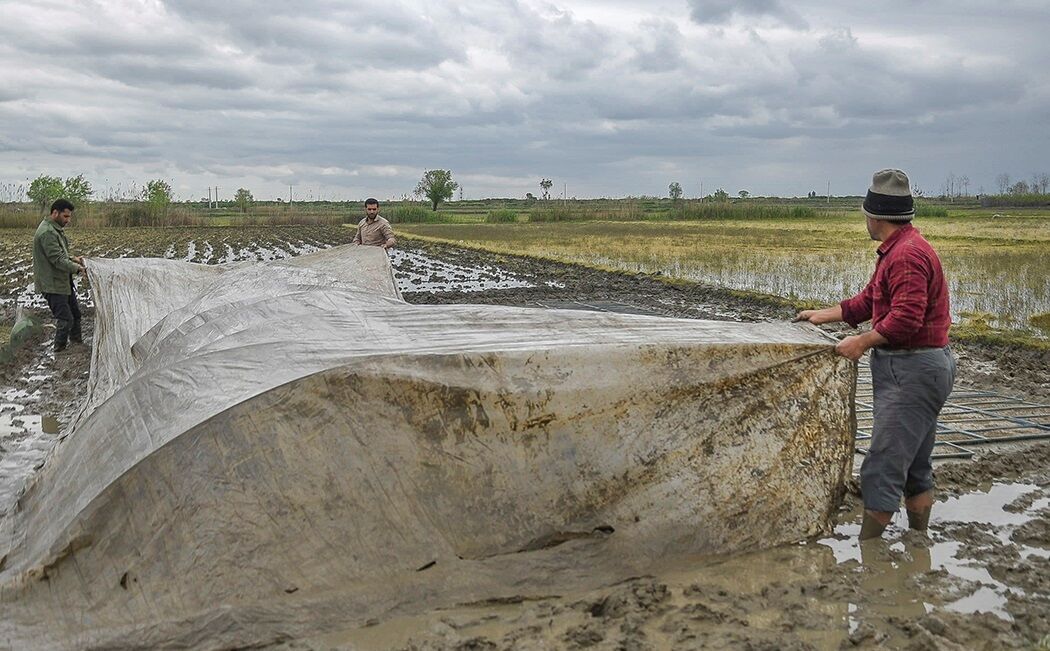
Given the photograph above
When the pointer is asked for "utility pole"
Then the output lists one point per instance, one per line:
(289, 194)
(216, 196)
(209, 197)
(701, 190)
(829, 192)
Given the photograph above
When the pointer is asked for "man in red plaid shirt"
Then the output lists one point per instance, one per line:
(912, 369)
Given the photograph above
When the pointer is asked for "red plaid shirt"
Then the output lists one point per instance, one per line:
(907, 297)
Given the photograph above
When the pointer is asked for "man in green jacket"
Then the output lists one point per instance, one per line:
(53, 270)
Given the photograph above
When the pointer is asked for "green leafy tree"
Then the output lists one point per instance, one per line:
(77, 189)
(744, 194)
(437, 186)
(44, 190)
(674, 191)
(720, 195)
(157, 194)
(243, 199)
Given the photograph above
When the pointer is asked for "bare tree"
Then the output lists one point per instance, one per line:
(1003, 181)
(964, 182)
(545, 185)
(1044, 182)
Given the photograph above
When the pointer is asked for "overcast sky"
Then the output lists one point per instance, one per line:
(350, 99)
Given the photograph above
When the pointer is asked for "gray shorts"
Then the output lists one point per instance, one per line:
(910, 387)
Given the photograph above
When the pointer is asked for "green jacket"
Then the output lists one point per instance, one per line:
(52, 266)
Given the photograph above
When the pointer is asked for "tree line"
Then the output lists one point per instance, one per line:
(156, 193)
(437, 186)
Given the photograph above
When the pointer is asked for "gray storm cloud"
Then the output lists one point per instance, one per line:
(722, 11)
(609, 97)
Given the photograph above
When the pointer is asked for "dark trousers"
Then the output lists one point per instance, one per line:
(909, 390)
(67, 318)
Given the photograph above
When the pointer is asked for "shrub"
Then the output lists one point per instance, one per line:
(926, 210)
(727, 210)
(19, 215)
(140, 213)
(501, 216)
(409, 213)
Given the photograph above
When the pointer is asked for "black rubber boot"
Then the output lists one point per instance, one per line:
(920, 520)
(870, 527)
(62, 334)
(75, 334)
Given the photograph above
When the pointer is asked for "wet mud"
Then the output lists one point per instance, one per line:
(558, 282)
(977, 580)
(980, 579)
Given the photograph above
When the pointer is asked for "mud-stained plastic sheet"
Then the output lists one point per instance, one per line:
(269, 447)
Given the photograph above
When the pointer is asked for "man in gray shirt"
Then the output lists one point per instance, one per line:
(373, 230)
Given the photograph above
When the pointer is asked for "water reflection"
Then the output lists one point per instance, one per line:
(25, 439)
(907, 574)
(50, 425)
(417, 272)
(1010, 287)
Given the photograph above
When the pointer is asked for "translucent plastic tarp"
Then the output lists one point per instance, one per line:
(270, 448)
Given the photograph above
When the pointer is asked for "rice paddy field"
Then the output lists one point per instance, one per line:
(997, 263)
(998, 266)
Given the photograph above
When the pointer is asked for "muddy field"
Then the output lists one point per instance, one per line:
(980, 580)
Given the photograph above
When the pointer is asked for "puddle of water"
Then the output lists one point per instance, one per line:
(417, 272)
(893, 565)
(985, 507)
(26, 435)
(50, 425)
(25, 440)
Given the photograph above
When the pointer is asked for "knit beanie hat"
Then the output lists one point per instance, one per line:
(889, 197)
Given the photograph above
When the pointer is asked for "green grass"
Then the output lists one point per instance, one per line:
(982, 332)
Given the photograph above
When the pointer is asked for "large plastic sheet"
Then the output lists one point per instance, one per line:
(270, 447)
